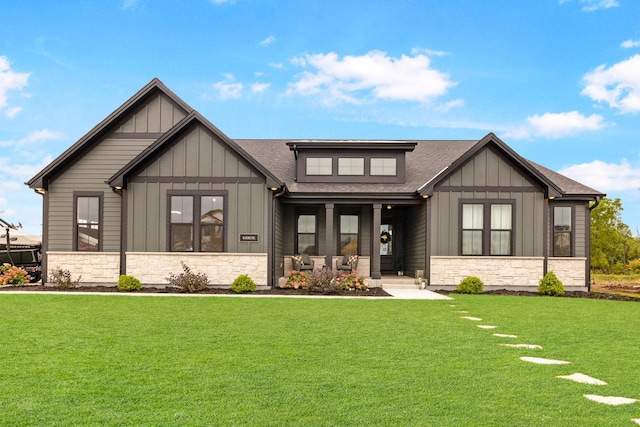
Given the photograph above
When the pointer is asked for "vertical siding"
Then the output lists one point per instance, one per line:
(157, 115)
(278, 244)
(415, 239)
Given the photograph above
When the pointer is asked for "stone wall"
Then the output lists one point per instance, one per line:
(493, 271)
(152, 268)
(91, 267)
(570, 271)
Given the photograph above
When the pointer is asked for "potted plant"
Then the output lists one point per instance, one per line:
(399, 266)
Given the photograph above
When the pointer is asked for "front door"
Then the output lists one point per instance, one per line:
(387, 258)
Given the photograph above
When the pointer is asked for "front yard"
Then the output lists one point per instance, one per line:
(115, 360)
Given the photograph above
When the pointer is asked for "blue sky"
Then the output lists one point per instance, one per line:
(557, 80)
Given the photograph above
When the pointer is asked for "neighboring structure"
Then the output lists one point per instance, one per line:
(156, 184)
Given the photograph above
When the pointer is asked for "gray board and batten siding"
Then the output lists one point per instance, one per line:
(488, 175)
(104, 158)
(197, 162)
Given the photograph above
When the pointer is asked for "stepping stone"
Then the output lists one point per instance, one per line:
(475, 319)
(582, 378)
(486, 326)
(505, 336)
(452, 305)
(460, 311)
(531, 346)
(541, 361)
(636, 420)
(611, 400)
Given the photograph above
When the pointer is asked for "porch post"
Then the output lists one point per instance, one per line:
(329, 246)
(375, 246)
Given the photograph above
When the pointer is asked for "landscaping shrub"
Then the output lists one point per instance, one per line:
(323, 280)
(634, 266)
(128, 283)
(352, 282)
(243, 283)
(296, 280)
(61, 277)
(12, 275)
(551, 285)
(470, 285)
(188, 281)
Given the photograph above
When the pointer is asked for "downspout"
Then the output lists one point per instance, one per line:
(295, 154)
(592, 207)
(275, 196)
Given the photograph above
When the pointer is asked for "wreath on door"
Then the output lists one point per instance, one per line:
(385, 237)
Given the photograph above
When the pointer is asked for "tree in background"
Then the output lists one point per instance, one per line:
(612, 243)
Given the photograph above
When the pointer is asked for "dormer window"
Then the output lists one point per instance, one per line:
(319, 166)
(351, 166)
(383, 166)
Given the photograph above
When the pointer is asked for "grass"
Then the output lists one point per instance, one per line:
(616, 278)
(150, 361)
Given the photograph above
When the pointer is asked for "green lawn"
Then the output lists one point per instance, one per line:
(140, 361)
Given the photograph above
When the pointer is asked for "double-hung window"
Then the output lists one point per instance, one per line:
(349, 230)
(306, 234)
(88, 222)
(487, 228)
(562, 227)
(202, 233)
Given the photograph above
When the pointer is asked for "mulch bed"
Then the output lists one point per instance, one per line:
(568, 294)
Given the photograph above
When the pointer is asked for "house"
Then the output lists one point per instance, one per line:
(156, 184)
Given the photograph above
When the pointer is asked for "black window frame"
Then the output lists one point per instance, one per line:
(358, 234)
(197, 223)
(570, 232)
(88, 194)
(306, 212)
(486, 231)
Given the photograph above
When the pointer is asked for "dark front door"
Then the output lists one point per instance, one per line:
(387, 243)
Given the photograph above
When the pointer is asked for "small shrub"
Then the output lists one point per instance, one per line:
(323, 280)
(128, 283)
(61, 277)
(296, 280)
(352, 282)
(634, 266)
(551, 285)
(12, 275)
(188, 281)
(243, 283)
(470, 285)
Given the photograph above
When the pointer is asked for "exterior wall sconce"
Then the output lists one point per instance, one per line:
(389, 206)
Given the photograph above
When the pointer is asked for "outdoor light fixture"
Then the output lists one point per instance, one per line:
(40, 190)
(389, 206)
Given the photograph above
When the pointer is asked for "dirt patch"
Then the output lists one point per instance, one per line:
(620, 287)
(372, 292)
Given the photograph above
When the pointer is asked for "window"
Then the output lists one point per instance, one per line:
(88, 223)
(349, 234)
(497, 218)
(562, 220)
(306, 234)
(319, 166)
(350, 166)
(383, 166)
(205, 235)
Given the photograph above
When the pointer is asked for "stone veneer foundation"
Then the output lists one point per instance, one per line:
(90, 267)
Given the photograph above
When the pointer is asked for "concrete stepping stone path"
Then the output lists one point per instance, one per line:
(611, 400)
(636, 420)
(486, 326)
(475, 319)
(529, 346)
(505, 335)
(582, 378)
(541, 361)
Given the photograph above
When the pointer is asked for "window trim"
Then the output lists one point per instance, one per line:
(486, 225)
(357, 214)
(298, 213)
(572, 234)
(100, 196)
(197, 220)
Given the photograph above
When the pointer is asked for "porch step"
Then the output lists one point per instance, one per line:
(399, 282)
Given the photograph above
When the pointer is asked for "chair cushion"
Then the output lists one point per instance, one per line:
(297, 259)
(306, 259)
(353, 260)
(345, 260)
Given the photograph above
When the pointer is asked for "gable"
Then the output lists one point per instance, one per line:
(157, 115)
(487, 168)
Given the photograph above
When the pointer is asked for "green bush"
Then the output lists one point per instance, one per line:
(470, 285)
(12, 275)
(61, 277)
(551, 285)
(188, 280)
(128, 283)
(243, 283)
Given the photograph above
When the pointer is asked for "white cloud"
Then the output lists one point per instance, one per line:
(259, 87)
(12, 112)
(36, 136)
(277, 65)
(618, 85)
(556, 125)
(428, 52)
(10, 80)
(605, 177)
(374, 75)
(593, 5)
(628, 44)
(22, 171)
(449, 105)
(267, 41)
(228, 88)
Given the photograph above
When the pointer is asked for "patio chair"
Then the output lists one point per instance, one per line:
(302, 262)
(348, 263)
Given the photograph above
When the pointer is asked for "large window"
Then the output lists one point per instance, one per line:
(383, 166)
(349, 234)
(206, 234)
(350, 166)
(487, 229)
(562, 221)
(306, 234)
(319, 166)
(88, 223)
